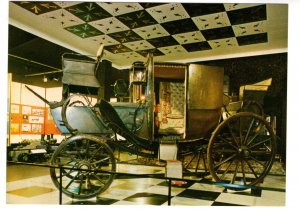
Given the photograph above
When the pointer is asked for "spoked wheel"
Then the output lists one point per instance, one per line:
(241, 150)
(193, 158)
(86, 160)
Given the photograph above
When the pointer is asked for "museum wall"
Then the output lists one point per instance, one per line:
(28, 115)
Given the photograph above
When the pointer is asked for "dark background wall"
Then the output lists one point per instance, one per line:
(248, 70)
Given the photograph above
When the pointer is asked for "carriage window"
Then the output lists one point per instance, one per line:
(170, 100)
(171, 108)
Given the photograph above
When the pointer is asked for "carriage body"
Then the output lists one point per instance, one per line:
(199, 102)
(92, 124)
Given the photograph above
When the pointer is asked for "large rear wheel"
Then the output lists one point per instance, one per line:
(241, 150)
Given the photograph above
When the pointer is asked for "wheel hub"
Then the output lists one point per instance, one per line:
(84, 166)
(244, 152)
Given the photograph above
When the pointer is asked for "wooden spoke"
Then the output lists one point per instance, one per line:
(235, 172)
(248, 132)
(259, 143)
(226, 160)
(226, 170)
(228, 143)
(251, 168)
(243, 172)
(232, 135)
(72, 180)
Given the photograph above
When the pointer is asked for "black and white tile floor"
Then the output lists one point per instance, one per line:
(147, 191)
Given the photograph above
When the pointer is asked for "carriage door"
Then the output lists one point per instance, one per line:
(204, 99)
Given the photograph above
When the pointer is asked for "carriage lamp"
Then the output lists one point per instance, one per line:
(138, 73)
(143, 99)
(137, 77)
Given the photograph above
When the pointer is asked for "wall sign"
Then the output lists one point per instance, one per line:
(25, 119)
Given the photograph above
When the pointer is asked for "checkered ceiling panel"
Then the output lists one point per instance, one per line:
(134, 29)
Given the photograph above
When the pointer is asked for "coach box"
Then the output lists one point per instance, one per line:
(168, 152)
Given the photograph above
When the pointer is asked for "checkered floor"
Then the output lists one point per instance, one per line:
(147, 191)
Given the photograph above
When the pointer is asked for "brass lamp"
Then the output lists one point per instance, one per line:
(137, 78)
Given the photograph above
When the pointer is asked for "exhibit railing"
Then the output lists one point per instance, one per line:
(155, 176)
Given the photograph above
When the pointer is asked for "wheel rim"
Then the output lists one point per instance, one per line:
(241, 150)
(85, 153)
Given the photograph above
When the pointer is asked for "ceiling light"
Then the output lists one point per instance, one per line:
(56, 78)
(45, 79)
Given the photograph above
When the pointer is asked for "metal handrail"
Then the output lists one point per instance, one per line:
(156, 176)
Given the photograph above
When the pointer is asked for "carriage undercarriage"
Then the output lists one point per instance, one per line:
(239, 150)
(221, 160)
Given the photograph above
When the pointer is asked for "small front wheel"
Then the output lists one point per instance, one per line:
(86, 161)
